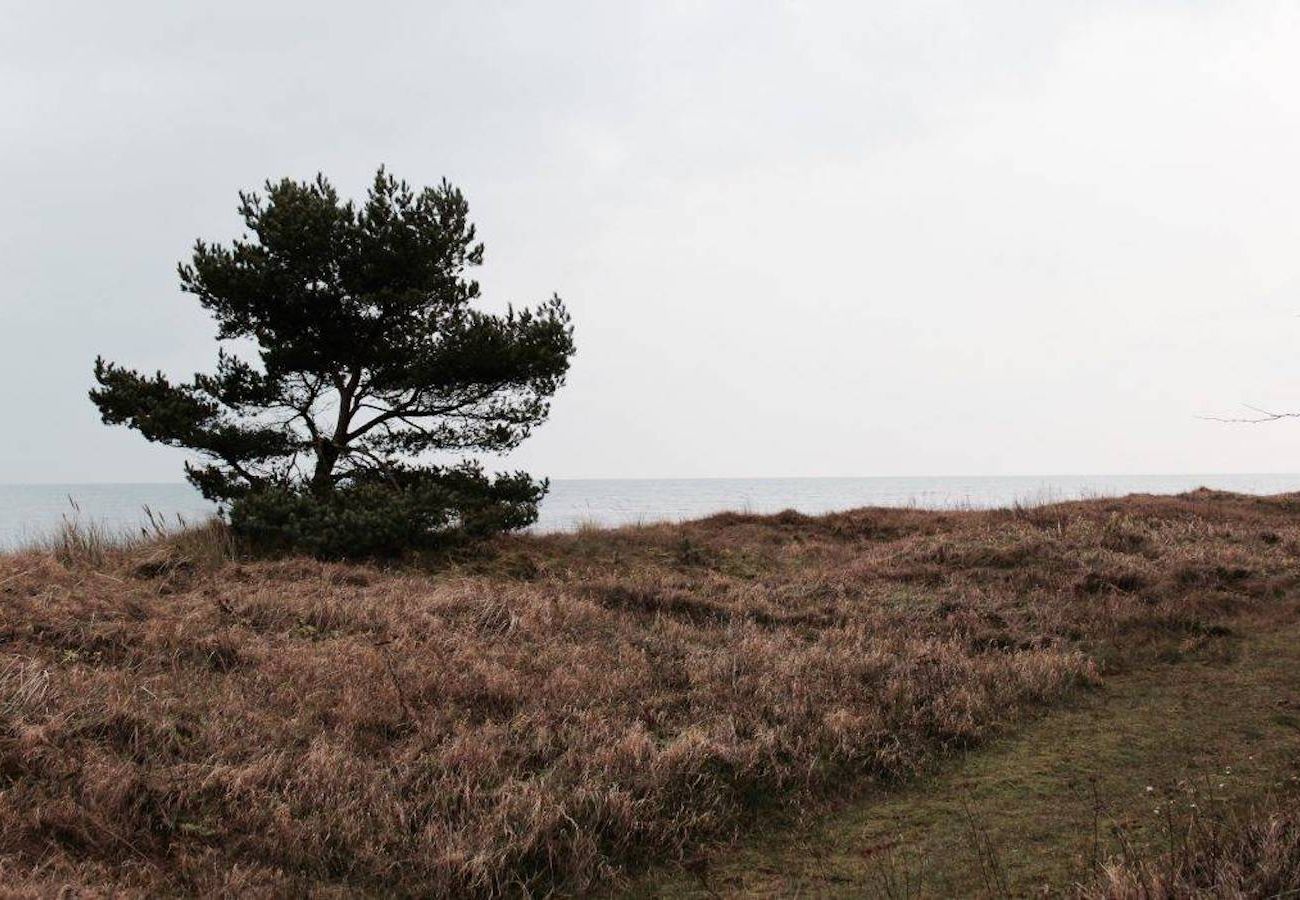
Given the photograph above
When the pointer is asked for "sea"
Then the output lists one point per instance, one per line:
(30, 511)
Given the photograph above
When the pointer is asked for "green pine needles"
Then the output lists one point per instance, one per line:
(372, 358)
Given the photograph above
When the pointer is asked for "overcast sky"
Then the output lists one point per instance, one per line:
(796, 238)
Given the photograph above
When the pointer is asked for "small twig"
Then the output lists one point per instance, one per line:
(407, 715)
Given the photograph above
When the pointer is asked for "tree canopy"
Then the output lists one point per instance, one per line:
(370, 357)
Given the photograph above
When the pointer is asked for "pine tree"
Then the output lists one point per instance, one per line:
(371, 357)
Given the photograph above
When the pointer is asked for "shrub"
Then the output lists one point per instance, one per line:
(412, 510)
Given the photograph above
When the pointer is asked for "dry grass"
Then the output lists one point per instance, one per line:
(89, 543)
(1213, 855)
(553, 709)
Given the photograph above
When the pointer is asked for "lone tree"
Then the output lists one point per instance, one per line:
(371, 356)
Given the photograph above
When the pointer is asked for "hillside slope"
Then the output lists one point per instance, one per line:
(555, 709)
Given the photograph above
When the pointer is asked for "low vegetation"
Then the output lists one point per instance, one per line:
(549, 712)
(1258, 856)
(1162, 766)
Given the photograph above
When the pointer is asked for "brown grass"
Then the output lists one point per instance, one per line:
(1213, 855)
(553, 709)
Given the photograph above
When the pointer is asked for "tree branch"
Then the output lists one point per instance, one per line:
(1263, 416)
(409, 410)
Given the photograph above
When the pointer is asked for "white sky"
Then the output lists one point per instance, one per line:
(882, 238)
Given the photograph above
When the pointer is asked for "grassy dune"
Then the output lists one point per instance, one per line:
(1170, 778)
(556, 710)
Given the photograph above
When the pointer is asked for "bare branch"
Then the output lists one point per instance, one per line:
(1263, 415)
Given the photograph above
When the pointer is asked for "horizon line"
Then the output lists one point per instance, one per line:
(555, 478)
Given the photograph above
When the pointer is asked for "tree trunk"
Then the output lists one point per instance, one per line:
(328, 449)
(326, 455)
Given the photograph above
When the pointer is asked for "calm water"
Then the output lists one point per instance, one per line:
(29, 511)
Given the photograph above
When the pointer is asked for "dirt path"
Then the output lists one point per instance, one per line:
(1033, 812)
